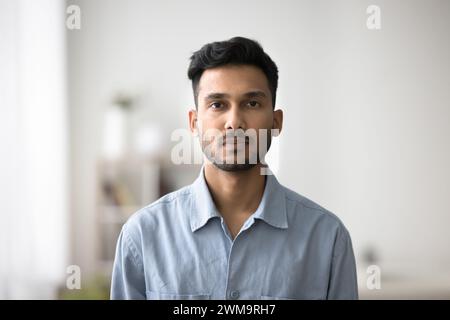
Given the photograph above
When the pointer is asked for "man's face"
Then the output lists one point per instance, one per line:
(233, 100)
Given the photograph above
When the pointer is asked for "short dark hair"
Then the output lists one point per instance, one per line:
(236, 51)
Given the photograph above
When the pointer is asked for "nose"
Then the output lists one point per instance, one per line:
(234, 119)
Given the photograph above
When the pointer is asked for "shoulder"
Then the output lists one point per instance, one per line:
(150, 217)
(305, 210)
(310, 218)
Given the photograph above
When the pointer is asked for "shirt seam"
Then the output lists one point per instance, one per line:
(175, 197)
(133, 249)
(323, 211)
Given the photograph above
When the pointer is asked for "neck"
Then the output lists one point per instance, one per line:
(235, 193)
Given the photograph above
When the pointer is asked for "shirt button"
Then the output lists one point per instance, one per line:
(234, 294)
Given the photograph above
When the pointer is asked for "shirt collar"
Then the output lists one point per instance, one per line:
(272, 208)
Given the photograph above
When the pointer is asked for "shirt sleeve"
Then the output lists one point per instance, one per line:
(343, 280)
(128, 280)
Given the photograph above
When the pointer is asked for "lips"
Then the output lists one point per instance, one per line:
(235, 141)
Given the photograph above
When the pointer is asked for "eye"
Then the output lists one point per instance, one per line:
(216, 105)
(253, 104)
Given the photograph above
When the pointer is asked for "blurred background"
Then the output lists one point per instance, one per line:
(88, 106)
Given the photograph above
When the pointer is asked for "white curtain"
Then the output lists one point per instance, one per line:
(34, 215)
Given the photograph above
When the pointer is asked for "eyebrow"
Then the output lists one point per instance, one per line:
(250, 94)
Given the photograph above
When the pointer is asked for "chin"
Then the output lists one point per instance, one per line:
(231, 167)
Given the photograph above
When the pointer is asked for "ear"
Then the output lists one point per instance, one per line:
(277, 121)
(193, 121)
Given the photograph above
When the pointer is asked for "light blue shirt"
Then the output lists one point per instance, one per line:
(179, 247)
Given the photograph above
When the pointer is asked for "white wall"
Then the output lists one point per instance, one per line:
(33, 126)
(370, 117)
(366, 112)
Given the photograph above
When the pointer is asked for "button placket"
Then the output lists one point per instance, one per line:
(232, 294)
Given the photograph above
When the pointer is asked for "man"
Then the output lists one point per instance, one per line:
(235, 233)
